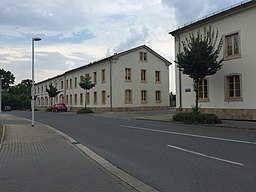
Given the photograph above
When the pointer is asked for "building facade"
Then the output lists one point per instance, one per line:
(137, 79)
(231, 92)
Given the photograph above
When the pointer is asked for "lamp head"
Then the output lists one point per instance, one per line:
(36, 39)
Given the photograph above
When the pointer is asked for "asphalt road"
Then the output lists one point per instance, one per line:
(167, 156)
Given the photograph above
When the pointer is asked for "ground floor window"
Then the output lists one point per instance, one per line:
(233, 87)
(143, 96)
(203, 89)
(158, 96)
(128, 96)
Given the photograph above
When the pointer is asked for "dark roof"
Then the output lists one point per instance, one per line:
(215, 16)
(112, 56)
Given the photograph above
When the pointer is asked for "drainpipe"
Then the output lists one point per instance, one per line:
(110, 83)
(180, 89)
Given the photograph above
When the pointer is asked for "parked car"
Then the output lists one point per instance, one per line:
(59, 107)
(7, 108)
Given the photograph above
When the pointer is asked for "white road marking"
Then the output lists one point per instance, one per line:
(189, 135)
(204, 155)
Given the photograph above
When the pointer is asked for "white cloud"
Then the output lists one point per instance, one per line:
(77, 32)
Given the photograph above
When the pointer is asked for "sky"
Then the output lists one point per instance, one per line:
(77, 32)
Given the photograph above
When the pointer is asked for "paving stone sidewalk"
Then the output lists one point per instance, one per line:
(37, 159)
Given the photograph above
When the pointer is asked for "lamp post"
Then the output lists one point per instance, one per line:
(1, 78)
(33, 81)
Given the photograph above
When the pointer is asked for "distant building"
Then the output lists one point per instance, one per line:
(137, 79)
(231, 92)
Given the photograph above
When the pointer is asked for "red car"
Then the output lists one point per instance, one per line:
(59, 107)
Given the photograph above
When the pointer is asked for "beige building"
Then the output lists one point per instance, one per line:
(137, 79)
(230, 93)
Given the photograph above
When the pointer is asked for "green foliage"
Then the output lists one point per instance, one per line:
(18, 96)
(193, 118)
(52, 91)
(8, 79)
(86, 84)
(84, 110)
(200, 56)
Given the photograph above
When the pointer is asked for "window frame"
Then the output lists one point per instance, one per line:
(143, 96)
(128, 96)
(158, 96)
(157, 76)
(128, 74)
(227, 87)
(204, 84)
(143, 75)
(226, 48)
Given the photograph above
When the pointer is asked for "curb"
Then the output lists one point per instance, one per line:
(2, 138)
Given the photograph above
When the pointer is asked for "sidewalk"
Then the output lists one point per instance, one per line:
(43, 160)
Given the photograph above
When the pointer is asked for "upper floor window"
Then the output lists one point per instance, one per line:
(203, 89)
(75, 82)
(232, 45)
(67, 84)
(95, 77)
(103, 76)
(233, 87)
(128, 74)
(61, 85)
(143, 75)
(143, 56)
(70, 82)
(157, 76)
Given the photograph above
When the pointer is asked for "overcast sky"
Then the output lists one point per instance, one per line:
(77, 32)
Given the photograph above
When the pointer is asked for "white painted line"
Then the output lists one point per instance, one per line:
(189, 135)
(204, 155)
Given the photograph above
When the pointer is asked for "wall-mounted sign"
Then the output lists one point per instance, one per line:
(187, 90)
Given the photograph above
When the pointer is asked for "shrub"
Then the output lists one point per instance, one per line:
(203, 118)
(48, 109)
(84, 110)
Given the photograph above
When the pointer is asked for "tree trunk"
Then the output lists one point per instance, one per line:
(85, 98)
(197, 96)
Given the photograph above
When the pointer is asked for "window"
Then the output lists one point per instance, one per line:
(232, 45)
(42, 89)
(128, 74)
(61, 85)
(157, 76)
(143, 56)
(128, 96)
(70, 97)
(81, 98)
(95, 77)
(158, 96)
(75, 99)
(95, 98)
(67, 99)
(143, 96)
(143, 75)
(103, 96)
(203, 89)
(103, 75)
(233, 87)
(87, 98)
(66, 84)
(70, 82)
(75, 82)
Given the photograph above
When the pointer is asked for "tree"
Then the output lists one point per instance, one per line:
(52, 92)
(18, 96)
(8, 79)
(86, 84)
(200, 56)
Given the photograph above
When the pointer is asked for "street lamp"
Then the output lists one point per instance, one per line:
(1, 78)
(33, 81)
